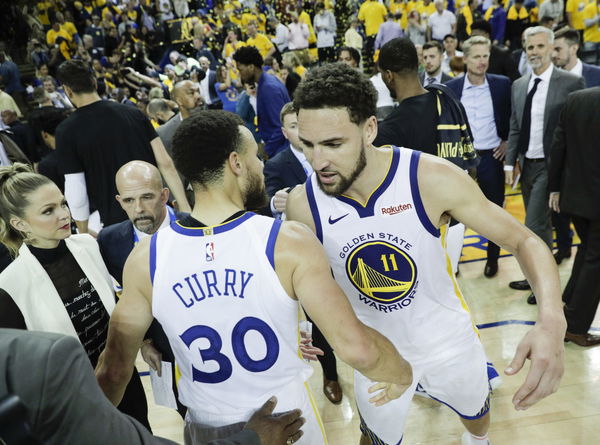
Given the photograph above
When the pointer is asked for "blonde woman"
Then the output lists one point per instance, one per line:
(57, 281)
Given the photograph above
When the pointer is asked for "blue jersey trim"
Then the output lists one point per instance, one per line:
(484, 410)
(211, 230)
(153, 257)
(416, 195)
(312, 202)
(368, 209)
(270, 250)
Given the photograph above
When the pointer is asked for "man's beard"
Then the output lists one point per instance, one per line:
(145, 224)
(255, 197)
(346, 182)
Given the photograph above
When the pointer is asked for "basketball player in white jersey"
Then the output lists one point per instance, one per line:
(223, 283)
(378, 212)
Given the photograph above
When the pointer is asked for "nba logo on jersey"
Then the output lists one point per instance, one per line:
(210, 251)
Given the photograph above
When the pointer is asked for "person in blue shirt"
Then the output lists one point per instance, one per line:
(271, 96)
(227, 89)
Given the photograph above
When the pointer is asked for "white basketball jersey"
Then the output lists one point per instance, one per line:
(390, 261)
(232, 326)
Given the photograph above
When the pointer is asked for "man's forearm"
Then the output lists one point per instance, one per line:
(541, 272)
(388, 366)
(112, 384)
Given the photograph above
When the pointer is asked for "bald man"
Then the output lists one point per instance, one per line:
(186, 95)
(144, 199)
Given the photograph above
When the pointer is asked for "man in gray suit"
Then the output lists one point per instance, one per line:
(187, 96)
(48, 394)
(537, 100)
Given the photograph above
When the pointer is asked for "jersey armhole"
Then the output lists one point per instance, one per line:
(416, 195)
(270, 249)
(314, 210)
(153, 257)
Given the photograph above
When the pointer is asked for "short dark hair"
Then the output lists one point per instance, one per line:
(569, 34)
(203, 142)
(47, 119)
(399, 56)
(77, 75)
(336, 85)
(452, 36)
(354, 53)
(433, 44)
(482, 25)
(248, 55)
(546, 20)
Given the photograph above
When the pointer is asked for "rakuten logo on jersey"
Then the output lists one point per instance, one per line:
(393, 210)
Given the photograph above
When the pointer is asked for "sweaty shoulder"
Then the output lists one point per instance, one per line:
(441, 186)
(297, 207)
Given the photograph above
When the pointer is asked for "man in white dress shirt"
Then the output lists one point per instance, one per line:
(537, 100)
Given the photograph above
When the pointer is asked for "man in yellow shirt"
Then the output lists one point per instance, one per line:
(574, 10)
(591, 32)
(259, 41)
(56, 31)
(372, 14)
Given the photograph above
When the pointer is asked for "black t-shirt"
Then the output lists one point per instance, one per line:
(82, 302)
(412, 124)
(49, 166)
(97, 140)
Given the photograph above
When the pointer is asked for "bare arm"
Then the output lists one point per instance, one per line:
(312, 283)
(167, 169)
(446, 190)
(128, 323)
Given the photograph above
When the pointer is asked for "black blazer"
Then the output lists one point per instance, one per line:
(283, 170)
(591, 75)
(445, 78)
(574, 167)
(500, 92)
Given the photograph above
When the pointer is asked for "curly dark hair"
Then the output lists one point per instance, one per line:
(399, 56)
(248, 55)
(203, 142)
(336, 85)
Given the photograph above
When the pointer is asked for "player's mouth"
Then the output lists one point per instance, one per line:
(327, 177)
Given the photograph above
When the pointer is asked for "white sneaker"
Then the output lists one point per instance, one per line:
(467, 439)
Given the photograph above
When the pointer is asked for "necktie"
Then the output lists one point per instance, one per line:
(430, 80)
(523, 142)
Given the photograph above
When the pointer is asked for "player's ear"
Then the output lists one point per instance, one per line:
(370, 130)
(235, 163)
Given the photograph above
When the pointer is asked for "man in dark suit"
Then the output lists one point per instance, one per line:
(432, 58)
(566, 46)
(187, 97)
(486, 98)
(283, 172)
(48, 394)
(144, 199)
(564, 56)
(537, 100)
(207, 85)
(501, 61)
(574, 183)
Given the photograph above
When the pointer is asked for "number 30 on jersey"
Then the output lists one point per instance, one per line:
(213, 352)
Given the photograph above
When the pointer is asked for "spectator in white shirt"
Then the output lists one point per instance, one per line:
(298, 38)
(282, 34)
(325, 26)
(450, 51)
(442, 22)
